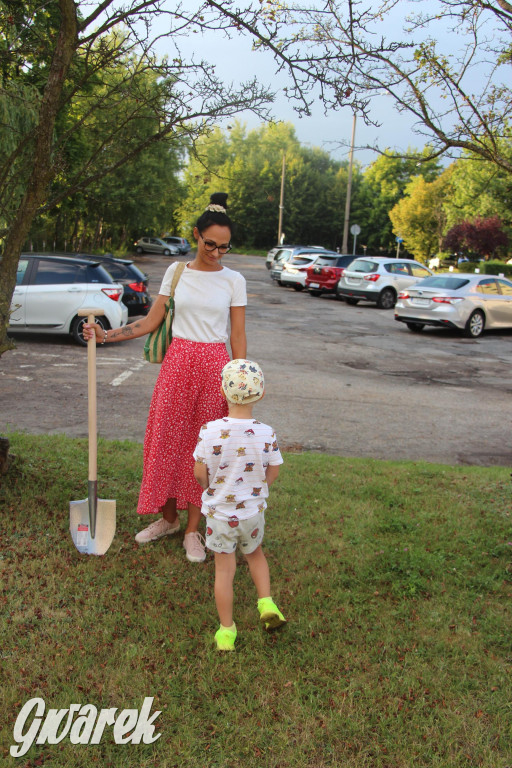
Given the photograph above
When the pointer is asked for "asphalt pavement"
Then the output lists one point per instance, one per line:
(340, 379)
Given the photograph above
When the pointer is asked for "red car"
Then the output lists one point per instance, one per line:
(323, 275)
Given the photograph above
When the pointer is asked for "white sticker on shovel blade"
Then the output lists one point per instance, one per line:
(82, 535)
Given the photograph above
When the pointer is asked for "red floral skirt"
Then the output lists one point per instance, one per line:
(186, 395)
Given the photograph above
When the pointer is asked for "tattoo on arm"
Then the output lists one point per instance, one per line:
(121, 332)
(126, 331)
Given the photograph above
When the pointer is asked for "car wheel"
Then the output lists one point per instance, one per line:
(351, 301)
(415, 327)
(167, 252)
(475, 325)
(298, 287)
(139, 250)
(387, 299)
(77, 328)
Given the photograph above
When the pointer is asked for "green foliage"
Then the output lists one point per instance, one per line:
(419, 216)
(394, 577)
(480, 189)
(385, 183)
(248, 165)
(495, 268)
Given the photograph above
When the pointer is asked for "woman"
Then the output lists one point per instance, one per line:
(209, 298)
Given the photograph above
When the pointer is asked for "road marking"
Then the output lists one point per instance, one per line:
(102, 359)
(126, 374)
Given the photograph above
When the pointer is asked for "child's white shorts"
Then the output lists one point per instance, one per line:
(226, 535)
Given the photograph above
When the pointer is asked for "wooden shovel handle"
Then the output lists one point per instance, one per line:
(92, 405)
(91, 315)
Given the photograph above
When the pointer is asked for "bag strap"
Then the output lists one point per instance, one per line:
(177, 274)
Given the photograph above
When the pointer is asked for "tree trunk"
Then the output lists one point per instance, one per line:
(43, 168)
(97, 234)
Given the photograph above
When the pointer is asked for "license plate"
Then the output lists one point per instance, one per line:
(420, 302)
(314, 285)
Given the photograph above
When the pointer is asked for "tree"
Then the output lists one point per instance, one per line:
(248, 165)
(385, 182)
(481, 236)
(480, 188)
(446, 66)
(82, 77)
(419, 216)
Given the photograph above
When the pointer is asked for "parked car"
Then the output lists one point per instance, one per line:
(295, 270)
(51, 289)
(156, 245)
(468, 302)
(273, 251)
(181, 243)
(379, 279)
(286, 253)
(134, 281)
(323, 275)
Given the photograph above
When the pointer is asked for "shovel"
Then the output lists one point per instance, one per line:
(92, 521)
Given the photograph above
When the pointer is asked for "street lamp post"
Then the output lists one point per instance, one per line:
(344, 248)
(281, 199)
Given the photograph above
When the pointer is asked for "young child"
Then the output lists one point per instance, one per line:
(237, 459)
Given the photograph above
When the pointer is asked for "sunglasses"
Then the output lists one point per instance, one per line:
(210, 246)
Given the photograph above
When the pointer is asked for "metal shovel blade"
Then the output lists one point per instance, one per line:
(92, 523)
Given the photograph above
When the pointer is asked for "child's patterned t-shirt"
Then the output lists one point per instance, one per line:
(236, 453)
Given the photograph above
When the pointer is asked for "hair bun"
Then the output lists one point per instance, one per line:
(219, 200)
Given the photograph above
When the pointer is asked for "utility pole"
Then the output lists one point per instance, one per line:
(280, 229)
(344, 248)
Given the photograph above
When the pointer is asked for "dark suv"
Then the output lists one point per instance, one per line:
(134, 281)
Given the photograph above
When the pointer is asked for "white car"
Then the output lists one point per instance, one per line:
(51, 289)
(379, 279)
(294, 272)
(272, 253)
(469, 302)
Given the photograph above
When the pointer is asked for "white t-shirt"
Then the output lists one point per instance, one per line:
(202, 302)
(236, 453)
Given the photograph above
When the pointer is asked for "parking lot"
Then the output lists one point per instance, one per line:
(342, 379)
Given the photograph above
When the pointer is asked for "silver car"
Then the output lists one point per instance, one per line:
(468, 302)
(379, 279)
(156, 245)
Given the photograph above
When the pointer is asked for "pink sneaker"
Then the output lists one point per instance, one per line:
(157, 530)
(194, 547)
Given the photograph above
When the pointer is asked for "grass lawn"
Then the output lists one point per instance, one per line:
(395, 577)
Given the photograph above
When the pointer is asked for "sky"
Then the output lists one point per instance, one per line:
(236, 61)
